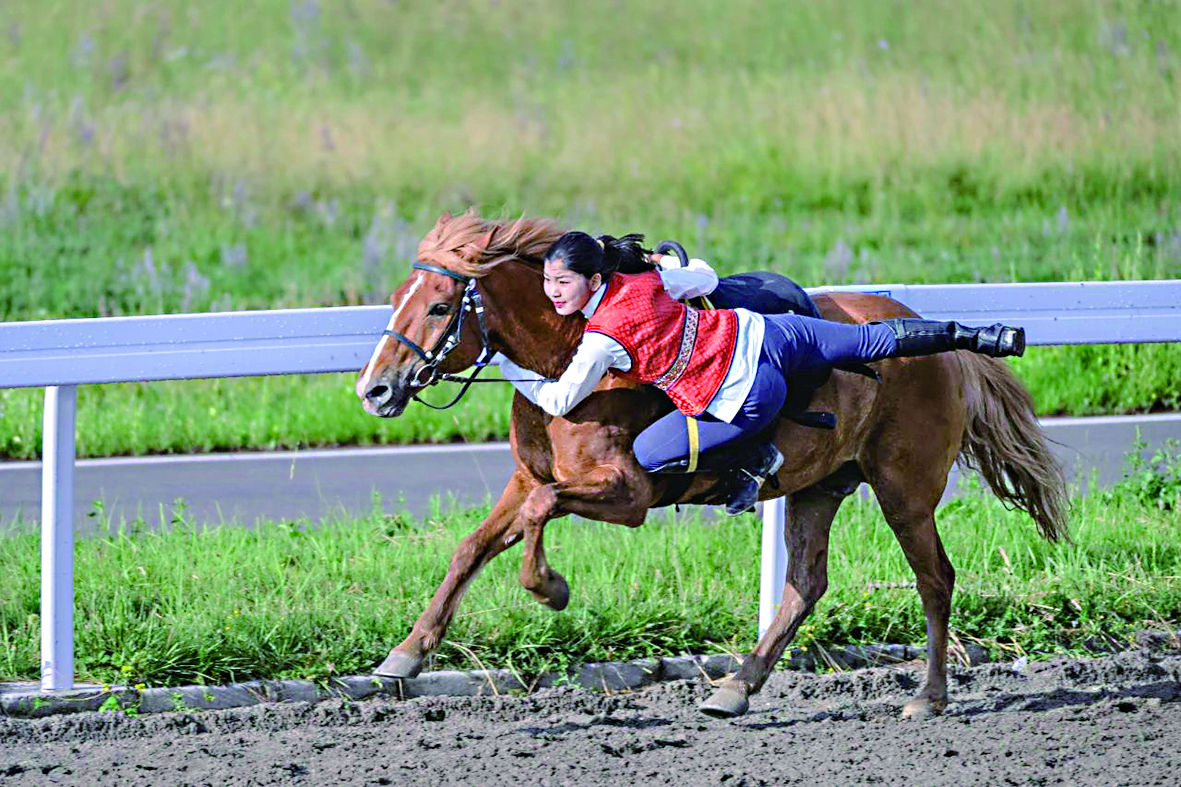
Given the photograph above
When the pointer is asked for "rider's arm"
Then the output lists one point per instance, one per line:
(698, 278)
(596, 354)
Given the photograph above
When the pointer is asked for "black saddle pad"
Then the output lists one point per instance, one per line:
(763, 292)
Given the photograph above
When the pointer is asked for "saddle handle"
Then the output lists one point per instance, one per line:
(666, 246)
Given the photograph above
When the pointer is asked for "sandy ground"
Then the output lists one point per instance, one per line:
(1110, 720)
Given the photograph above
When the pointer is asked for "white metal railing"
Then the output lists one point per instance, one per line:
(59, 355)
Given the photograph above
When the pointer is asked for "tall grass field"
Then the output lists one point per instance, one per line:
(215, 604)
(166, 157)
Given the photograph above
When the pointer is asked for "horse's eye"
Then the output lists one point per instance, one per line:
(439, 309)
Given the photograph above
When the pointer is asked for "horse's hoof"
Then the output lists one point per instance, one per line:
(556, 594)
(725, 704)
(922, 708)
(399, 665)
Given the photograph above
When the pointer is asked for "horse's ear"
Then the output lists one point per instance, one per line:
(481, 244)
(446, 217)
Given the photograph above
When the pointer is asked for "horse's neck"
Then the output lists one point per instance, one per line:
(531, 333)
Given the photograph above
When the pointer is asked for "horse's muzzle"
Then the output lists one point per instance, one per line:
(385, 399)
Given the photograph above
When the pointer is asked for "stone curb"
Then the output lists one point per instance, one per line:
(606, 677)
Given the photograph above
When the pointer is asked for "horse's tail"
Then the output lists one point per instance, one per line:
(1004, 443)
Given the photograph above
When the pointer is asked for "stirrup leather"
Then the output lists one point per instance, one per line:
(694, 443)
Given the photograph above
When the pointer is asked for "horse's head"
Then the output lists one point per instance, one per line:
(434, 328)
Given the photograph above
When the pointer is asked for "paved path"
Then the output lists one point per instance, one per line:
(320, 484)
(242, 487)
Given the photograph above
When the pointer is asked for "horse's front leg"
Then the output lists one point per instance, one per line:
(494, 535)
(810, 515)
(606, 493)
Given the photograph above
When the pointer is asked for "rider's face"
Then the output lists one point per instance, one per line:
(567, 290)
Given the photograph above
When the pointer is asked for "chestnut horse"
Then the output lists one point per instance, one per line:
(901, 435)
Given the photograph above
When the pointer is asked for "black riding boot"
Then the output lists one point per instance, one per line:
(747, 467)
(925, 337)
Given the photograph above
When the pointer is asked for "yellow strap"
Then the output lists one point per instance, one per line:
(691, 422)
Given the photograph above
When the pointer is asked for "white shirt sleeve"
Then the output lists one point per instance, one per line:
(689, 282)
(596, 354)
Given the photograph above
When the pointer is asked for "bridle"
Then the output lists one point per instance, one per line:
(471, 301)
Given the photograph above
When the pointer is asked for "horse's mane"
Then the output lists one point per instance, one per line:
(473, 246)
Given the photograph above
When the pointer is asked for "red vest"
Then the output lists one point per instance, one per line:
(682, 351)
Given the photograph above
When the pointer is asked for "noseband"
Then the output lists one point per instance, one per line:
(473, 302)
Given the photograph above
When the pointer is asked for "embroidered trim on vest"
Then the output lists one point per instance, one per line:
(688, 339)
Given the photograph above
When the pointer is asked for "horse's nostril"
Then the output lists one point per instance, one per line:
(377, 392)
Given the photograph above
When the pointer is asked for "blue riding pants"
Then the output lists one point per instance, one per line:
(791, 343)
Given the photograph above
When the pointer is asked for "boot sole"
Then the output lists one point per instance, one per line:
(1015, 347)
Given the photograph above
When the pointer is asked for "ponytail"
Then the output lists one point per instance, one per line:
(625, 254)
(604, 255)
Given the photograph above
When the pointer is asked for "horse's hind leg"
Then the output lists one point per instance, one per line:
(911, 515)
(810, 515)
(494, 535)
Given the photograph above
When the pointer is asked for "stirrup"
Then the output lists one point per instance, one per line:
(749, 478)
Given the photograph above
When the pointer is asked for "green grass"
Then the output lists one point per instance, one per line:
(286, 599)
(163, 157)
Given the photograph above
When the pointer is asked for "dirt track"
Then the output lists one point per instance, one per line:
(1113, 720)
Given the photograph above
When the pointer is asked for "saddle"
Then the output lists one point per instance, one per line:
(763, 292)
(772, 293)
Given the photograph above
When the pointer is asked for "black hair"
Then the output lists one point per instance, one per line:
(604, 255)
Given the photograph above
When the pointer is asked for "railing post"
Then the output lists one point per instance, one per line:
(773, 571)
(57, 538)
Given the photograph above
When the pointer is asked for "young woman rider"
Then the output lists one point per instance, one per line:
(726, 368)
